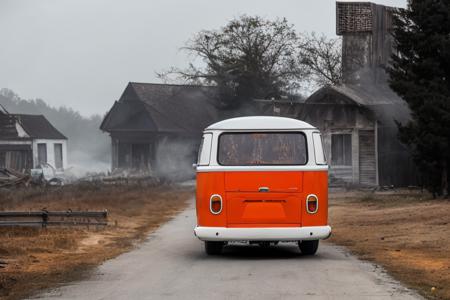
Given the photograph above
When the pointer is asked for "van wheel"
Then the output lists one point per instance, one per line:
(213, 248)
(308, 247)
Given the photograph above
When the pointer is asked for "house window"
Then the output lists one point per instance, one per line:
(58, 156)
(42, 153)
(341, 149)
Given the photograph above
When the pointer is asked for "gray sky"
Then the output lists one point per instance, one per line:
(82, 53)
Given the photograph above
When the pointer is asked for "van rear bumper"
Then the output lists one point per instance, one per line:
(262, 234)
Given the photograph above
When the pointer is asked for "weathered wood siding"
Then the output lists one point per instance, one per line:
(335, 115)
(367, 158)
(133, 150)
(17, 157)
(340, 174)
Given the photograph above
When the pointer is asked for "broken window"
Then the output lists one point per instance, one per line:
(341, 149)
(58, 156)
(262, 148)
(42, 153)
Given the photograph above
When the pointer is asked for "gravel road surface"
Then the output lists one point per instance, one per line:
(172, 264)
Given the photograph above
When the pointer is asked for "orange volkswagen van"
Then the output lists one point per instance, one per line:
(262, 180)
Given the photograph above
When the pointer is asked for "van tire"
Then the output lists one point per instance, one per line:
(213, 248)
(308, 247)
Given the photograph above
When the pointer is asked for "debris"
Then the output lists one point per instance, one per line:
(124, 177)
(10, 178)
(46, 174)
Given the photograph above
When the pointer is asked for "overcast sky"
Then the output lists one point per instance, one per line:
(82, 53)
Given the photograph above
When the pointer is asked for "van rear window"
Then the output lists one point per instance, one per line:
(262, 148)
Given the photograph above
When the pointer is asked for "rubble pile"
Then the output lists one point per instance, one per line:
(123, 177)
(12, 178)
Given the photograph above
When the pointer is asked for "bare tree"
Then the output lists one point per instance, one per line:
(248, 58)
(256, 58)
(321, 58)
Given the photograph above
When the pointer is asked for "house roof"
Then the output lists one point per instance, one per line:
(7, 126)
(162, 108)
(38, 127)
(363, 95)
(378, 98)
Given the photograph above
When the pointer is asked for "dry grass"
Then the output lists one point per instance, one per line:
(406, 232)
(39, 258)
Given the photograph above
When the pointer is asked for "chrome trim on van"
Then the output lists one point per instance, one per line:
(261, 168)
(317, 204)
(210, 204)
(262, 234)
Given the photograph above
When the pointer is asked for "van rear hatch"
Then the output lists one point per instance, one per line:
(265, 198)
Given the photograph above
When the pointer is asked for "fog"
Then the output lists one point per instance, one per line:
(88, 148)
(81, 53)
(78, 56)
(174, 159)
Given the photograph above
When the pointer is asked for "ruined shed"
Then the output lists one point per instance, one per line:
(27, 141)
(358, 118)
(158, 127)
(360, 134)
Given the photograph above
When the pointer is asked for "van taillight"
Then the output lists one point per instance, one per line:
(215, 204)
(312, 204)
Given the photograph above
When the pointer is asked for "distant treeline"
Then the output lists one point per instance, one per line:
(89, 148)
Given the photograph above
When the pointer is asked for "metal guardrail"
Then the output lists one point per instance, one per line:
(46, 218)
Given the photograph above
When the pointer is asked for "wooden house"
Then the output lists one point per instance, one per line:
(150, 122)
(27, 141)
(157, 127)
(358, 117)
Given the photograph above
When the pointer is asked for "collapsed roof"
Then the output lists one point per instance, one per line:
(22, 126)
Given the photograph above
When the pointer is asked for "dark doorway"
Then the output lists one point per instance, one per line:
(58, 156)
(42, 153)
(367, 159)
(140, 156)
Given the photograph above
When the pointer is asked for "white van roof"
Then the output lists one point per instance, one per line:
(260, 123)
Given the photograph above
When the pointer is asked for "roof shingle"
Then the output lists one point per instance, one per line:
(38, 127)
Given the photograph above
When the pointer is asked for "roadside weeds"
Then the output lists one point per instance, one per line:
(406, 232)
(32, 259)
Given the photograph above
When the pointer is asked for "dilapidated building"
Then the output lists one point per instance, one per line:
(358, 118)
(157, 127)
(27, 141)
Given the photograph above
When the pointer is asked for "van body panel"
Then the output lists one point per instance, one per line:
(268, 208)
(275, 182)
(262, 209)
(209, 184)
(316, 183)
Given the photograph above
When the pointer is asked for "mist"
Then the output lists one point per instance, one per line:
(88, 147)
(81, 54)
(174, 158)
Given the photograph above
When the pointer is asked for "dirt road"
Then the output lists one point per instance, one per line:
(172, 264)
